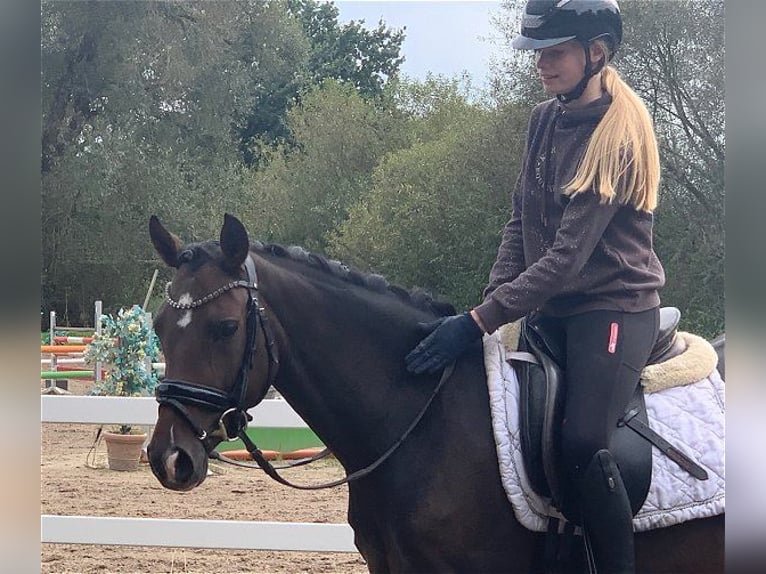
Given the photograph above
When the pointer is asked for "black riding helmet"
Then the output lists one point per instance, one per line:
(547, 23)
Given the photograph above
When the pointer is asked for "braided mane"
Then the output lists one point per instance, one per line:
(370, 281)
(196, 254)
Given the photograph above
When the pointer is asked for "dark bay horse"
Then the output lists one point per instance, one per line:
(333, 341)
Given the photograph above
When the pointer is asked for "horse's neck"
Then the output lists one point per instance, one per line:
(339, 381)
(342, 368)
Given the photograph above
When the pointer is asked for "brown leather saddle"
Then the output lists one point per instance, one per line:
(542, 395)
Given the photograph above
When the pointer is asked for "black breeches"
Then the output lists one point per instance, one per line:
(605, 353)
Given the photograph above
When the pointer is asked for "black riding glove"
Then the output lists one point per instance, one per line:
(449, 338)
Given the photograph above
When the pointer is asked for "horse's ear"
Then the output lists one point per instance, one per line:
(167, 245)
(234, 242)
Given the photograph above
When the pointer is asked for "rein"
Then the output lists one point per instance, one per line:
(234, 419)
(270, 470)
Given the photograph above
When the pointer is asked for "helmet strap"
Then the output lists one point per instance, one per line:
(588, 73)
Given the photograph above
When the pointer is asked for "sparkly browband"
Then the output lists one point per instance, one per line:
(202, 300)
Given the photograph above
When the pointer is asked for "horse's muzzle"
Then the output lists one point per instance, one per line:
(176, 468)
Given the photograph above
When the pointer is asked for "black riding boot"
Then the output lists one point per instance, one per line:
(607, 516)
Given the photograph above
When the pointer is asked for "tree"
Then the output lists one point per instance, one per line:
(347, 53)
(135, 121)
(151, 107)
(304, 192)
(673, 56)
(433, 215)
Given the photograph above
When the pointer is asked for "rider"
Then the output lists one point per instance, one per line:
(577, 251)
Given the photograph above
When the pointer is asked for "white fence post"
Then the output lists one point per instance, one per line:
(98, 308)
(49, 383)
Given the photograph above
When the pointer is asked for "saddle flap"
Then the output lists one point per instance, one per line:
(633, 455)
(542, 394)
(541, 403)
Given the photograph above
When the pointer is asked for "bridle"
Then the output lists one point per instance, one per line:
(233, 421)
(234, 418)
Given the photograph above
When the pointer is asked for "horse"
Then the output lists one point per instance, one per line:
(240, 317)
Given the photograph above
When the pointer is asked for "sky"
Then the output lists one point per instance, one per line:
(442, 37)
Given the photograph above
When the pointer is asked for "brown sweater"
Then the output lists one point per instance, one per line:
(567, 255)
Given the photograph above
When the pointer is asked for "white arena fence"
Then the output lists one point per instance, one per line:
(226, 534)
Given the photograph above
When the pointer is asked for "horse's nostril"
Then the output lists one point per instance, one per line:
(183, 466)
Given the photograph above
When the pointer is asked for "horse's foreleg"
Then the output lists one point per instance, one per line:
(367, 536)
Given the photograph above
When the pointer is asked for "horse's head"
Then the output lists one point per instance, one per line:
(218, 351)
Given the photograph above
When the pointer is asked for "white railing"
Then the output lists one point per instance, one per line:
(143, 411)
(227, 534)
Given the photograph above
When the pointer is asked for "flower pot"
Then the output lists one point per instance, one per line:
(123, 450)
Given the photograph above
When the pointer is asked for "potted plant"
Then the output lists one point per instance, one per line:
(126, 347)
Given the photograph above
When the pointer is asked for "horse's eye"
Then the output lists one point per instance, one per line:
(225, 329)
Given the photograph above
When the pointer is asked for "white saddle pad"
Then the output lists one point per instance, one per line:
(691, 418)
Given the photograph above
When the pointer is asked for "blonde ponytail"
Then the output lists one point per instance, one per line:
(621, 159)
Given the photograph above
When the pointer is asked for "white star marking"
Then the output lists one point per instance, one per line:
(184, 321)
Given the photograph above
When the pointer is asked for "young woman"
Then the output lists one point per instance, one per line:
(577, 252)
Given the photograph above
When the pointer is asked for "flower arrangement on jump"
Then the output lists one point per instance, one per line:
(126, 346)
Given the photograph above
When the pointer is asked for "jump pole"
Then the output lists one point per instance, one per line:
(67, 340)
(67, 375)
(61, 349)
